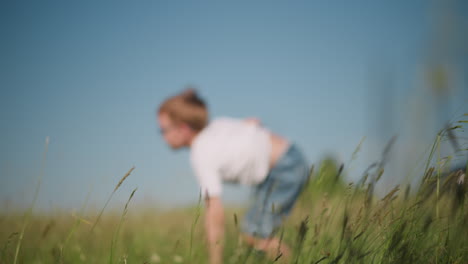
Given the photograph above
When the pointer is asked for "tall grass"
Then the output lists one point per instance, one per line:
(110, 196)
(117, 232)
(28, 213)
(194, 223)
(75, 226)
(334, 222)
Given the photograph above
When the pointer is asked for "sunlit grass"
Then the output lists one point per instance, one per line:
(333, 222)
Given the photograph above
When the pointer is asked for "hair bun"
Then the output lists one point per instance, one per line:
(190, 95)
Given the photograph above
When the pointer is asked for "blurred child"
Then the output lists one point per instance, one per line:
(237, 151)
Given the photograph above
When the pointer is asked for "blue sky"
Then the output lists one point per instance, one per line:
(90, 75)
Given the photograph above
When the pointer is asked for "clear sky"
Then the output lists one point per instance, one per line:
(90, 74)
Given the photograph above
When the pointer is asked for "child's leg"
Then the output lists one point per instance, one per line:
(274, 247)
(274, 200)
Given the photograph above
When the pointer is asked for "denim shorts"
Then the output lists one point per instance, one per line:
(274, 198)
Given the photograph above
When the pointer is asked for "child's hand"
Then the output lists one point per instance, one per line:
(253, 120)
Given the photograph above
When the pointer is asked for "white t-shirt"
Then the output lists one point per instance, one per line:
(230, 150)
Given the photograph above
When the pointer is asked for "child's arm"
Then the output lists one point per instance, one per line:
(206, 166)
(214, 226)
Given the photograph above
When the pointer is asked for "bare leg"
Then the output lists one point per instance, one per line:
(273, 247)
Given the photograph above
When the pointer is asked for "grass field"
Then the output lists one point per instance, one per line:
(333, 222)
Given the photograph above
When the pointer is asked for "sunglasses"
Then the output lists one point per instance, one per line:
(164, 130)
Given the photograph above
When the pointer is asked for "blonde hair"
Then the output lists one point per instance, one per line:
(186, 107)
